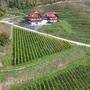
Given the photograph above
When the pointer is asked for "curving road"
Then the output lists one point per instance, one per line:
(73, 42)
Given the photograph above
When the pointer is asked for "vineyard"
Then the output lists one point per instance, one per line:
(31, 60)
(49, 61)
(76, 77)
(28, 46)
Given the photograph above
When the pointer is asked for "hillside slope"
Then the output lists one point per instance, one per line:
(74, 21)
(36, 56)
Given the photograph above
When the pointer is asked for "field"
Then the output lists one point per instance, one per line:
(74, 77)
(30, 60)
(74, 21)
(50, 67)
(30, 46)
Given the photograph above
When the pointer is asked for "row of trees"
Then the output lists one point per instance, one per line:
(23, 3)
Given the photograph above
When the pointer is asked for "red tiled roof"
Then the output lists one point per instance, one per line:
(35, 15)
(50, 14)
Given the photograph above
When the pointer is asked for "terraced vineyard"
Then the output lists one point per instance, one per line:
(76, 77)
(28, 46)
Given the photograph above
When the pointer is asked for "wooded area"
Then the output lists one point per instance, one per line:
(24, 3)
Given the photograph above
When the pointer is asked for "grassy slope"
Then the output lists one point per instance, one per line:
(5, 50)
(74, 24)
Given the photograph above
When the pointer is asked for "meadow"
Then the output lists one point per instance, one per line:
(74, 21)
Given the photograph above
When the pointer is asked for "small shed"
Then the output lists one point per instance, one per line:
(51, 17)
(34, 17)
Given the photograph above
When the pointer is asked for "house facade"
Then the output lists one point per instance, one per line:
(51, 17)
(34, 17)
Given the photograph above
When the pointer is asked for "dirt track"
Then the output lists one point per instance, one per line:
(11, 81)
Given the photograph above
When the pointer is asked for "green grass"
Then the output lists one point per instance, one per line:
(5, 48)
(74, 21)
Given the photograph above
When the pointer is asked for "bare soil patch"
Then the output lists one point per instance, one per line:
(58, 64)
(12, 81)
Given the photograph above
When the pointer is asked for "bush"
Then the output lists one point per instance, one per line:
(4, 39)
(2, 12)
